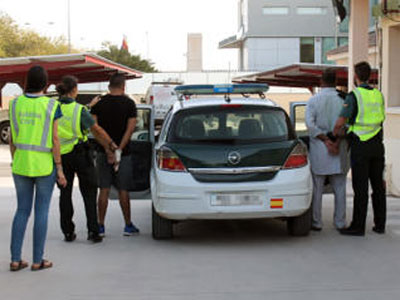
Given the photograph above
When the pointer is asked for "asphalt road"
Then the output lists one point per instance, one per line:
(207, 260)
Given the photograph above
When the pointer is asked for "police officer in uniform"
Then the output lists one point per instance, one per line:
(73, 128)
(36, 164)
(364, 111)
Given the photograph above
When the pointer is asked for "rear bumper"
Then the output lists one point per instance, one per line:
(178, 196)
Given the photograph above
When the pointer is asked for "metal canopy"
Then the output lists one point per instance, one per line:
(299, 75)
(86, 67)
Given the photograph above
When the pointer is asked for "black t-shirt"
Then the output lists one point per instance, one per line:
(112, 114)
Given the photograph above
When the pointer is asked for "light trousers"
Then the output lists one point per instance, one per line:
(31, 191)
(338, 183)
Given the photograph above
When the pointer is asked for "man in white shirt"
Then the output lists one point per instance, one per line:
(328, 157)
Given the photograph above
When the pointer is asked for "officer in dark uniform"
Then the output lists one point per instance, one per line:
(364, 111)
(73, 129)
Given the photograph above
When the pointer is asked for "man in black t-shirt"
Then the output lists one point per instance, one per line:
(116, 114)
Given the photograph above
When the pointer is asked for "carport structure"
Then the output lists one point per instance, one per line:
(86, 67)
(300, 75)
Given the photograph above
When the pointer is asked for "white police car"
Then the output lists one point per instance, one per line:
(223, 154)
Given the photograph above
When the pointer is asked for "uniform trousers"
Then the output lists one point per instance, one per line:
(367, 166)
(79, 162)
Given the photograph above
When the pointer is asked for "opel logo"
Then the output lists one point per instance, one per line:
(234, 158)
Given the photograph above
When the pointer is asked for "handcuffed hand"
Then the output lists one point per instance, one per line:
(110, 157)
(333, 148)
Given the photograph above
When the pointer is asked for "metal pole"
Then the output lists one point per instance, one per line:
(69, 26)
(147, 46)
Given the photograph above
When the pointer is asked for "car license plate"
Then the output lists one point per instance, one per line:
(241, 199)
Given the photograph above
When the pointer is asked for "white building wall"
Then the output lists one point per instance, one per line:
(268, 53)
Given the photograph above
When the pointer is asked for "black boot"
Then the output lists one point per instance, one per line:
(94, 237)
(70, 237)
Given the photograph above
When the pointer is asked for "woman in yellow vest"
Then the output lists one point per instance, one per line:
(73, 128)
(36, 164)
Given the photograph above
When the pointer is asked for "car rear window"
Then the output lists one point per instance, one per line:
(230, 124)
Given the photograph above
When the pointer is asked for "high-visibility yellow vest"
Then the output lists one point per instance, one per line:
(32, 134)
(69, 127)
(371, 113)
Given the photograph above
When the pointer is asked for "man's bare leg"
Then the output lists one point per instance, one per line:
(103, 204)
(125, 204)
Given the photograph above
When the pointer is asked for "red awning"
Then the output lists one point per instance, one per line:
(300, 76)
(86, 67)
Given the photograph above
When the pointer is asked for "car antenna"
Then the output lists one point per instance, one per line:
(181, 98)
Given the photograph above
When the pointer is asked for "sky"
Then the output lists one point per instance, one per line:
(155, 29)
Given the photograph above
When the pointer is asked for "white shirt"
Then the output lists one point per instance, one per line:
(322, 111)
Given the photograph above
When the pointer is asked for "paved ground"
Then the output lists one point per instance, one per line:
(208, 260)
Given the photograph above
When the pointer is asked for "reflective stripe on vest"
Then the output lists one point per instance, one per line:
(64, 141)
(370, 113)
(46, 129)
(69, 127)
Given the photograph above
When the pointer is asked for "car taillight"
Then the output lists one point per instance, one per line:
(167, 160)
(297, 158)
(151, 99)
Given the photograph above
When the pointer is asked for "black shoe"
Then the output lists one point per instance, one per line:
(378, 230)
(94, 237)
(352, 231)
(315, 228)
(70, 237)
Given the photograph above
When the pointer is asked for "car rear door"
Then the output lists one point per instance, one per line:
(298, 119)
(141, 146)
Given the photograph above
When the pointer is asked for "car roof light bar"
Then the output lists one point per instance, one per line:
(222, 89)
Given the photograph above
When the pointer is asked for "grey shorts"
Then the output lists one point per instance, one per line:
(121, 180)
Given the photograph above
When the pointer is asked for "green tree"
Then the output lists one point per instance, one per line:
(15, 41)
(124, 57)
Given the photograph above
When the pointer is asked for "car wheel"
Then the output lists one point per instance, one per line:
(301, 225)
(162, 228)
(5, 132)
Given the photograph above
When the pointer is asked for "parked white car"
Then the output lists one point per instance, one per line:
(229, 157)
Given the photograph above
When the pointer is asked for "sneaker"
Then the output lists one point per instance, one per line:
(102, 231)
(131, 230)
(94, 237)
(316, 228)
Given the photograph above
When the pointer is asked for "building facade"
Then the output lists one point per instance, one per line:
(194, 53)
(274, 33)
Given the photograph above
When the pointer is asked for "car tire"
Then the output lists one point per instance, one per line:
(5, 132)
(301, 225)
(162, 227)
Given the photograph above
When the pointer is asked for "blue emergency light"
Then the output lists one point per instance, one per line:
(210, 89)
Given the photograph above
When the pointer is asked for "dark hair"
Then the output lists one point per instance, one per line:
(363, 71)
(36, 80)
(329, 77)
(67, 84)
(117, 81)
